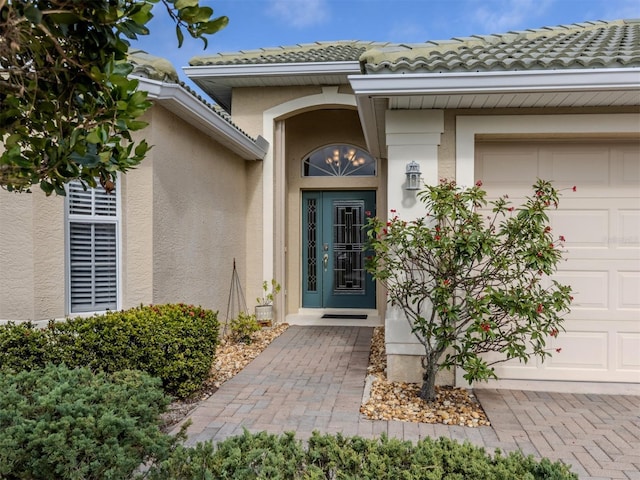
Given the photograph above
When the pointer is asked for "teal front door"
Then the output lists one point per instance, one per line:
(333, 246)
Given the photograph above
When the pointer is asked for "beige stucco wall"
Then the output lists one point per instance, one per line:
(136, 200)
(198, 196)
(32, 282)
(248, 104)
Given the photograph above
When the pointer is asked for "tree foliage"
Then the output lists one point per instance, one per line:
(67, 106)
(471, 284)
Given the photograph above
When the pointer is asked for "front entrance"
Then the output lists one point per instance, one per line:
(333, 249)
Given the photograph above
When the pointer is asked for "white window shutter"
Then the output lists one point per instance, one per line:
(93, 249)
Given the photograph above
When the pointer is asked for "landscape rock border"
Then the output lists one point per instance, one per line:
(385, 400)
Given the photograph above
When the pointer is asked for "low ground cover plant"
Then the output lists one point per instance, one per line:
(57, 422)
(175, 343)
(262, 455)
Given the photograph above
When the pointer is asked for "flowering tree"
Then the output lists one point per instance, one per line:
(471, 284)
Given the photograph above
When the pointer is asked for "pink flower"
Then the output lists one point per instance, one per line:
(393, 210)
(479, 183)
(558, 350)
(485, 326)
(367, 213)
(540, 308)
(562, 239)
(554, 332)
(574, 188)
(437, 238)
(510, 209)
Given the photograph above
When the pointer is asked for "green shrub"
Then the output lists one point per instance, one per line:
(173, 342)
(258, 456)
(66, 423)
(248, 456)
(23, 346)
(242, 327)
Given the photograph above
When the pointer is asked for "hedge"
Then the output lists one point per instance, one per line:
(175, 343)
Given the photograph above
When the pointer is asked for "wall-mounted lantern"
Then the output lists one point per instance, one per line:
(413, 176)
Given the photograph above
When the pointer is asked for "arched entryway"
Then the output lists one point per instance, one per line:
(332, 187)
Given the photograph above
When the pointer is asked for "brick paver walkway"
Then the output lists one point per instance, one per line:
(312, 378)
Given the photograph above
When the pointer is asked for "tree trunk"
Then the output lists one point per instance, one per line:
(428, 389)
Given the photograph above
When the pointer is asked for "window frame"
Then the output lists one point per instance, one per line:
(92, 219)
(339, 147)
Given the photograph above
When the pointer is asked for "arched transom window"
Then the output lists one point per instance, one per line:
(339, 160)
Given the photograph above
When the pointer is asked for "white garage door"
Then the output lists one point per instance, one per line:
(601, 223)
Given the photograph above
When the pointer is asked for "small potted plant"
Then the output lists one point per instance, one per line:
(264, 309)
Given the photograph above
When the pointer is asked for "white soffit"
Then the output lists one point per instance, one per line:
(510, 89)
(178, 100)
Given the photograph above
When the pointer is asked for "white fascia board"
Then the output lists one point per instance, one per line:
(460, 83)
(366, 112)
(184, 104)
(272, 70)
(369, 87)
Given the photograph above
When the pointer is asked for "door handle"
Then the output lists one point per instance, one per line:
(325, 260)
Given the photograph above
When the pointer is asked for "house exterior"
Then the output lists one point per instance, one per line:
(170, 233)
(310, 140)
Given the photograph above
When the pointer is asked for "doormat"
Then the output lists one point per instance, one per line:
(340, 315)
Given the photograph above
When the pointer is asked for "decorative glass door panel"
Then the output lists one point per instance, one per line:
(334, 240)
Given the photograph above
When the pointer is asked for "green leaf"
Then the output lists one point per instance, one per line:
(136, 125)
(33, 14)
(180, 36)
(12, 140)
(202, 14)
(93, 137)
(143, 15)
(87, 160)
(214, 26)
(46, 187)
(180, 4)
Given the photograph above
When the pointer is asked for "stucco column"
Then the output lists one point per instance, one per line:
(411, 135)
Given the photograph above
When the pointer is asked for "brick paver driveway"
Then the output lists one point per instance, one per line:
(312, 378)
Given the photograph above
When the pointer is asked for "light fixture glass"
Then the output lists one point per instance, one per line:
(413, 176)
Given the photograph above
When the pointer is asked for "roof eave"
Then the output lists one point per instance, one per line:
(271, 69)
(181, 102)
(456, 83)
(219, 80)
(370, 89)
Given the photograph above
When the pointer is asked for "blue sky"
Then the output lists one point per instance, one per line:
(267, 23)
